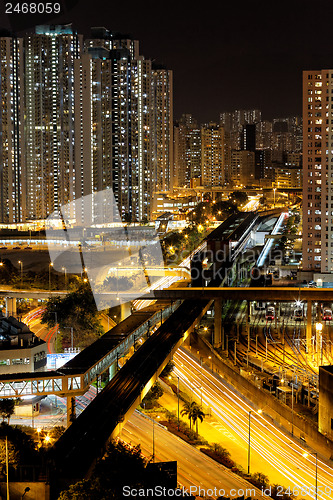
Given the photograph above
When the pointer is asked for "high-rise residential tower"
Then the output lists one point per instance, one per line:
(187, 150)
(123, 127)
(318, 171)
(49, 97)
(234, 122)
(215, 155)
(77, 119)
(12, 151)
(163, 127)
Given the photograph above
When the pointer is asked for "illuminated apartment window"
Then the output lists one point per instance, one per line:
(17, 361)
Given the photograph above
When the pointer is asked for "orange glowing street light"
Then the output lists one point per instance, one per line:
(21, 265)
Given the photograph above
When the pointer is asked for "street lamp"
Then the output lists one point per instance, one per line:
(7, 468)
(177, 398)
(56, 324)
(319, 329)
(305, 455)
(274, 189)
(72, 335)
(65, 271)
(26, 491)
(39, 430)
(47, 439)
(21, 266)
(153, 457)
(50, 266)
(249, 444)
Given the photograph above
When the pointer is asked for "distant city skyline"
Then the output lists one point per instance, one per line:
(79, 117)
(225, 57)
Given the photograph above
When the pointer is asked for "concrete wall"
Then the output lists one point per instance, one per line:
(37, 490)
(325, 407)
(279, 413)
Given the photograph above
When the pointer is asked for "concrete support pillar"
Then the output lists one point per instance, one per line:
(308, 326)
(125, 310)
(248, 321)
(218, 328)
(71, 413)
(10, 306)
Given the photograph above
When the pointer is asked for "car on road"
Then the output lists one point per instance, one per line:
(27, 248)
(17, 248)
(312, 284)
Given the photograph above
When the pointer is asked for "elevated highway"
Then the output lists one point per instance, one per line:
(85, 440)
(284, 294)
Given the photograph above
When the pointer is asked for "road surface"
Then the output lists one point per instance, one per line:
(272, 452)
(195, 469)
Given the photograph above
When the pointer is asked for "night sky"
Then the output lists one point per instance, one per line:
(225, 55)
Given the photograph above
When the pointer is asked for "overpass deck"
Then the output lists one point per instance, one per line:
(75, 376)
(282, 294)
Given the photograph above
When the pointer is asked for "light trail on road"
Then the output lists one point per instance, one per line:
(275, 449)
(193, 467)
(32, 319)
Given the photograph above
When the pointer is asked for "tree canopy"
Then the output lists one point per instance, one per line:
(121, 465)
(21, 447)
(7, 407)
(238, 197)
(222, 209)
(150, 399)
(168, 369)
(78, 310)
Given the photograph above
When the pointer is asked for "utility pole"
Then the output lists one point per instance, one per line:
(249, 445)
(7, 479)
(292, 407)
(178, 399)
(266, 347)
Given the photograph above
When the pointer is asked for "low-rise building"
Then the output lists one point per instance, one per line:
(288, 177)
(21, 351)
(178, 205)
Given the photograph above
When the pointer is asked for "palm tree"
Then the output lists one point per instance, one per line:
(197, 415)
(193, 412)
(187, 410)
